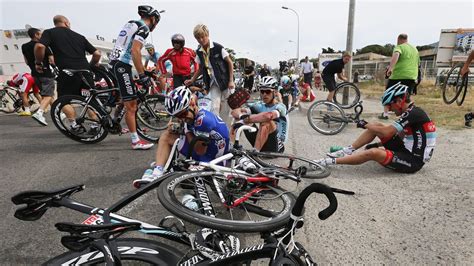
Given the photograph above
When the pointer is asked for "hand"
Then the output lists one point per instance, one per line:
(238, 124)
(388, 72)
(39, 68)
(361, 123)
(188, 82)
(145, 81)
(231, 85)
(465, 70)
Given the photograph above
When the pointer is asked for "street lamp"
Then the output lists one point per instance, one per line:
(298, 41)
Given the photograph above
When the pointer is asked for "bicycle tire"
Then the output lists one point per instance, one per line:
(353, 95)
(332, 121)
(12, 100)
(137, 250)
(463, 90)
(312, 169)
(451, 84)
(64, 129)
(169, 200)
(151, 126)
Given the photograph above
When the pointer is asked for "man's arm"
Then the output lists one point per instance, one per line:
(95, 58)
(161, 62)
(39, 56)
(465, 68)
(137, 56)
(381, 130)
(193, 79)
(341, 76)
(262, 117)
(236, 113)
(231, 84)
(393, 62)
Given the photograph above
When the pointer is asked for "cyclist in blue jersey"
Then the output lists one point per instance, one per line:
(153, 57)
(127, 49)
(269, 114)
(197, 122)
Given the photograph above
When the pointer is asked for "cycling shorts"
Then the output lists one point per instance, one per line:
(273, 144)
(123, 75)
(330, 82)
(212, 152)
(28, 83)
(398, 158)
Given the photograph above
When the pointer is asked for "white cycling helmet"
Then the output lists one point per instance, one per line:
(178, 100)
(394, 91)
(285, 80)
(268, 82)
(149, 46)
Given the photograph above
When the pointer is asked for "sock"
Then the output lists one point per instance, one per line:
(330, 161)
(385, 113)
(158, 170)
(134, 137)
(27, 109)
(348, 150)
(40, 111)
(73, 123)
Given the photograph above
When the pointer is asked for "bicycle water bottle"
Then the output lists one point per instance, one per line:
(189, 201)
(246, 164)
(335, 148)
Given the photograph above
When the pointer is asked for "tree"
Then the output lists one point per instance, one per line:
(231, 53)
(386, 50)
(329, 50)
(424, 47)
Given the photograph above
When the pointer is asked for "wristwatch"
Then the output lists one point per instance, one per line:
(39, 63)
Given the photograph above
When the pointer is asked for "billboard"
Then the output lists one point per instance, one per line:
(325, 59)
(454, 46)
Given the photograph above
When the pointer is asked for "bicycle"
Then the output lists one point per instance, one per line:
(329, 118)
(91, 243)
(11, 101)
(352, 93)
(93, 113)
(454, 86)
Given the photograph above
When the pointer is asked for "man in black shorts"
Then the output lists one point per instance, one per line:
(408, 143)
(335, 67)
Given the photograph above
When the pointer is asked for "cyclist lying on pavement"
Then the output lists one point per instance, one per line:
(270, 114)
(408, 142)
(197, 122)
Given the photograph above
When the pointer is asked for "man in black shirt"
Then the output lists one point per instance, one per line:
(264, 71)
(335, 67)
(249, 73)
(69, 49)
(45, 80)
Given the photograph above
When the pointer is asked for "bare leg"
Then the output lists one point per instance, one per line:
(365, 138)
(38, 97)
(131, 109)
(24, 98)
(45, 102)
(265, 130)
(331, 95)
(163, 151)
(374, 154)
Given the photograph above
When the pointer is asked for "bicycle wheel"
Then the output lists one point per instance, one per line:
(9, 100)
(152, 118)
(132, 252)
(353, 95)
(326, 117)
(89, 128)
(463, 90)
(262, 207)
(452, 84)
(291, 163)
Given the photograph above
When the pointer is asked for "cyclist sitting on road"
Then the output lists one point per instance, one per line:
(335, 67)
(25, 82)
(127, 49)
(270, 114)
(288, 91)
(153, 56)
(197, 122)
(408, 142)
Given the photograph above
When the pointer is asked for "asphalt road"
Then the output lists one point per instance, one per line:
(424, 218)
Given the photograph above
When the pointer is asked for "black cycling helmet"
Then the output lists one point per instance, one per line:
(148, 11)
(177, 38)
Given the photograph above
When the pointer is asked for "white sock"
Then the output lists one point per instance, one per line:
(134, 137)
(330, 161)
(27, 109)
(40, 111)
(348, 150)
(158, 170)
(385, 113)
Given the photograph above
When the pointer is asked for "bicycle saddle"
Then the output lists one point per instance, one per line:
(82, 235)
(37, 202)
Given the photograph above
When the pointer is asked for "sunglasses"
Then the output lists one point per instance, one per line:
(182, 114)
(266, 91)
(178, 42)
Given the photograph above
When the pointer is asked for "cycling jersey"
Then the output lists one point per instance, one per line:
(419, 132)
(282, 124)
(181, 61)
(208, 125)
(134, 30)
(25, 82)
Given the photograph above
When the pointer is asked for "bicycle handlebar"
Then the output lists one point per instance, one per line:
(242, 128)
(317, 188)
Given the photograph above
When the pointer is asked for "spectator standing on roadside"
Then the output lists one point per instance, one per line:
(335, 67)
(264, 71)
(45, 80)
(355, 79)
(317, 79)
(465, 70)
(403, 67)
(249, 73)
(181, 57)
(69, 49)
(217, 70)
(307, 70)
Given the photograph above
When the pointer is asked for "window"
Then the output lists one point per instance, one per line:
(16, 46)
(6, 47)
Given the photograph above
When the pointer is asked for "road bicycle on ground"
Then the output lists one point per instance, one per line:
(11, 101)
(329, 118)
(346, 95)
(97, 239)
(454, 86)
(93, 112)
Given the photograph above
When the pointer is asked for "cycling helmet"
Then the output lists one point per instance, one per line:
(178, 100)
(177, 38)
(394, 91)
(148, 11)
(285, 80)
(149, 46)
(268, 82)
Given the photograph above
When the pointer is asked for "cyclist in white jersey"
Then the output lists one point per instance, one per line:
(127, 49)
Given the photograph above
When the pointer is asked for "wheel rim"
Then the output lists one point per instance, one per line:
(326, 120)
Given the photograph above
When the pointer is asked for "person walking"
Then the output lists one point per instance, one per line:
(307, 70)
(403, 67)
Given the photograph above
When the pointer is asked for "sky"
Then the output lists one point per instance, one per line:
(258, 29)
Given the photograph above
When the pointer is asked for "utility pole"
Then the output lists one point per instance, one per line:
(350, 34)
